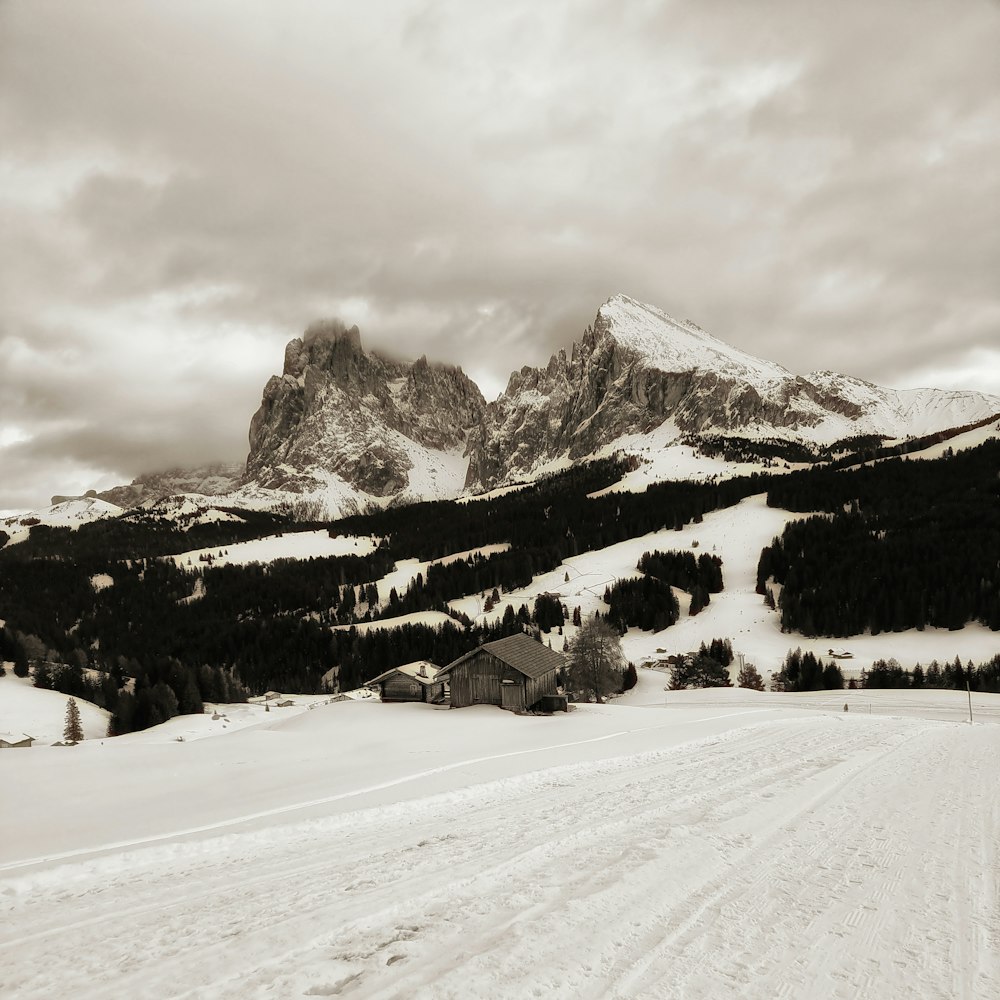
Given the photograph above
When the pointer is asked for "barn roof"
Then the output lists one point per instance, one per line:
(526, 655)
(412, 670)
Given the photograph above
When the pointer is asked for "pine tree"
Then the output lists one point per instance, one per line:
(73, 727)
(749, 677)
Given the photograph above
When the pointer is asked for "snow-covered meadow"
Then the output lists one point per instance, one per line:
(700, 844)
(287, 545)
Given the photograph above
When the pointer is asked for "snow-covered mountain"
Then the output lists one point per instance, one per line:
(208, 480)
(637, 369)
(64, 512)
(344, 426)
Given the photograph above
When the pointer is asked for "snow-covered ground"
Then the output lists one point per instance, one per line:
(434, 619)
(41, 714)
(664, 458)
(736, 534)
(407, 570)
(729, 844)
(67, 514)
(968, 439)
(288, 545)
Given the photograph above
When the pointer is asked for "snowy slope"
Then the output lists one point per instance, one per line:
(900, 413)
(67, 514)
(736, 534)
(679, 345)
(288, 545)
(646, 852)
(432, 619)
(41, 714)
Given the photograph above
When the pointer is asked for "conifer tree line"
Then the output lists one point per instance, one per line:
(706, 668)
(267, 626)
(807, 672)
(647, 602)
(260, 627)
(142, 535)
(641, 602)
(890, 674)
(700, 577)
(906, 544)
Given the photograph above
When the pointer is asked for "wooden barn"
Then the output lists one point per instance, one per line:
(9, 741)
(514, 673)
(418, 681)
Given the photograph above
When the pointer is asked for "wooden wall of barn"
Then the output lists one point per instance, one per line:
(399, 687)
(479, 681)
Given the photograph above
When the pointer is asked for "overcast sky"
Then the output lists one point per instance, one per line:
(184, 186)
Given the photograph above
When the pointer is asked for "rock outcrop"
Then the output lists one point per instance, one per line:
(208, 480)
(383, 427)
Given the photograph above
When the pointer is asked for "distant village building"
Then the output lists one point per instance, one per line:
(10, 741)
(514, 673)
(418, 681)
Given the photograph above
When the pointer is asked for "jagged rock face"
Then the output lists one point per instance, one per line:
(208, 480)
(360, 416)
(636, 367)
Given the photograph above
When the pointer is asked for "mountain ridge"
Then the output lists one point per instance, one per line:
(347, 428)
(636, 368)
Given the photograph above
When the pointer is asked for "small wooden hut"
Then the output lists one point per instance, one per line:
(514, 673)
(10, 741)
(417, 681)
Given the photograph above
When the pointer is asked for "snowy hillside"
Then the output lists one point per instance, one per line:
(687, 850)
(66, 514)
(41, 714)
(288, 545)
(679, 345)
(736, 535)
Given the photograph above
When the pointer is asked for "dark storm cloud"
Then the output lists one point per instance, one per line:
(183, 187)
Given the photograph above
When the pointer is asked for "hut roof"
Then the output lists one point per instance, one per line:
(420, 670)
(526, 655)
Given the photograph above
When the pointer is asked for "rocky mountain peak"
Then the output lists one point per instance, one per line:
(673, 345)
(637, 368)
(339, 414)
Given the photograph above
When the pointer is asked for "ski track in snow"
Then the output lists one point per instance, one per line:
(839, 857)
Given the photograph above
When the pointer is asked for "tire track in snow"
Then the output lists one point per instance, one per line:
(691, 872)
(353, 793)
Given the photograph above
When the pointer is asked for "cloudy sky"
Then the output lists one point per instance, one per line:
(185, 185)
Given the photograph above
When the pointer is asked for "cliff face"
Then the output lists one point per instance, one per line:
(636, 367)
(343, 426)
(380, 426)
(208, 480)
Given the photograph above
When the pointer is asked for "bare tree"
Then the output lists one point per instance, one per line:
(596, 662)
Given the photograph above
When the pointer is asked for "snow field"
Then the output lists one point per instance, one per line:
(407, 570)
(41, 714)
(288, 545)
(433, 619)
(68, 514)
(759, 855)
(735, 534)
